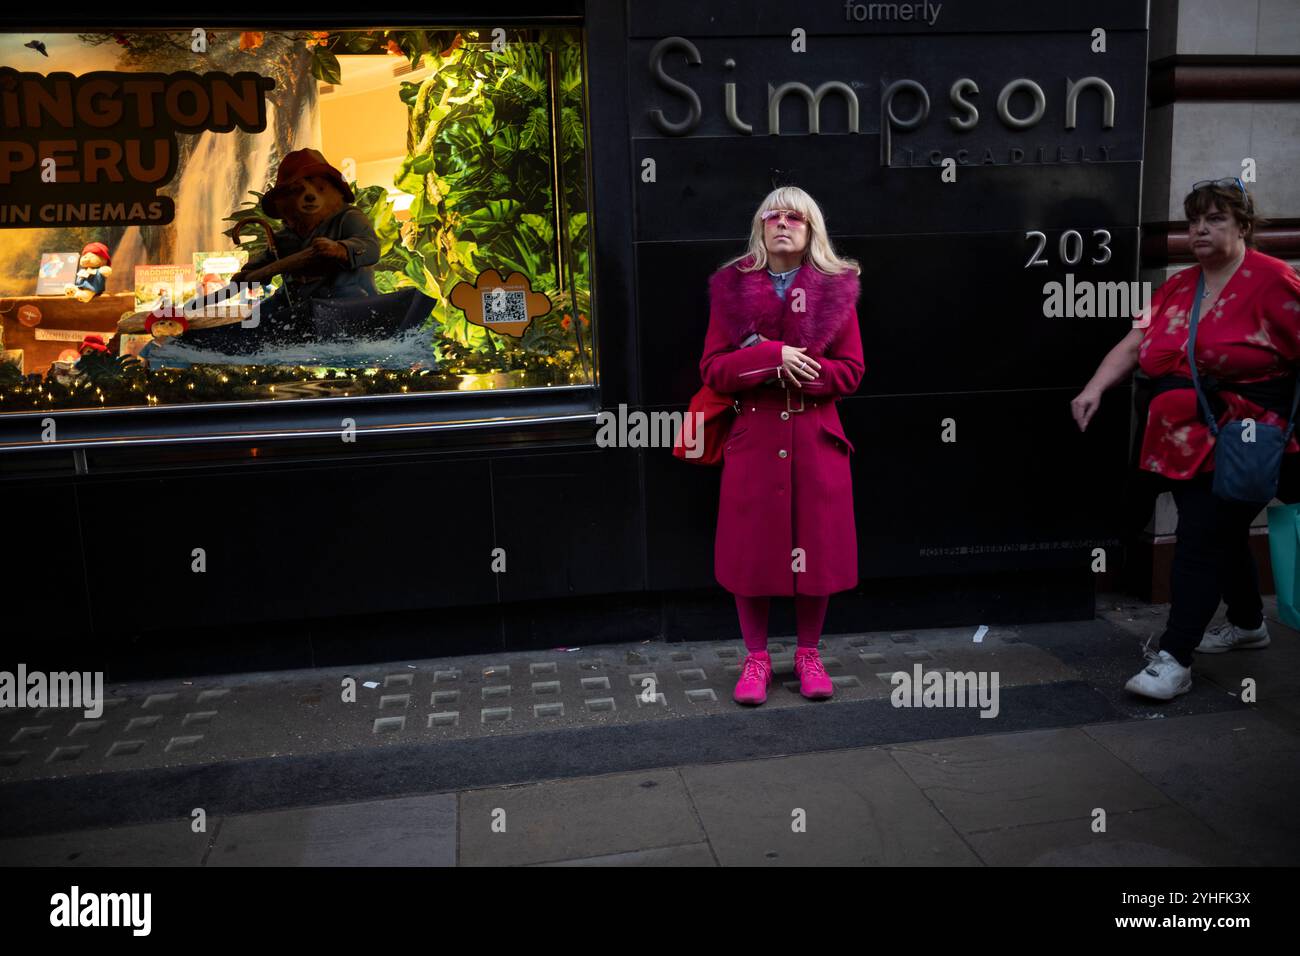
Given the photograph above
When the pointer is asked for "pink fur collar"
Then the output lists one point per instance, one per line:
(746, 302)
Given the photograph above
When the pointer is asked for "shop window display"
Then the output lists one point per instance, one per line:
(194, 216)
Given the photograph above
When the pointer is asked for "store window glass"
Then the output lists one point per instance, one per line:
(208, 216)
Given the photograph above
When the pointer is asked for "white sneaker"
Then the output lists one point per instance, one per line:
(1229, 637)
(1163, 678)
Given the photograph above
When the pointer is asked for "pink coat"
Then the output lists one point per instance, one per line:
(785, 480)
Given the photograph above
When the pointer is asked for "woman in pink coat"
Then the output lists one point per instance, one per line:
(783, 339)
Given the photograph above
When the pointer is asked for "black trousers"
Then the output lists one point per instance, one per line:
(1212, 561)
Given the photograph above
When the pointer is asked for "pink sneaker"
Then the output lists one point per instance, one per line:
(754, 678)
(813, 682)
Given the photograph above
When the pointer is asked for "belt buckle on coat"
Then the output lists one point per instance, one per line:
(787, 398)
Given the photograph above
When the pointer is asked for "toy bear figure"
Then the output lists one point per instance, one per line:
(93, 343)
(92, 277)
(314, 202)
(165, 323)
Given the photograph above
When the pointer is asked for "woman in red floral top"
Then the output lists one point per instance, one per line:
(1247, 340)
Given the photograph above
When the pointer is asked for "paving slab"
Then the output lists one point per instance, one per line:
(1283, 711)
(1163, 836)
(174, 723)
(1015, 663)
(576, 819)
(1237, 772)
(998, 781)
(154, 844)
(1275, 669)
(695, 854)
(406, 831)
(856, 808)
(229, 788)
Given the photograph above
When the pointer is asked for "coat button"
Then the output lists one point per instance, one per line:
(782, 453)
(784, 416)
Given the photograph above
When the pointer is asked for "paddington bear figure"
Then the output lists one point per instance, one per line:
(92, 276)
(315, 205)
(314, 202)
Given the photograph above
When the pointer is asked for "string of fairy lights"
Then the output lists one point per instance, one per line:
(99, 381)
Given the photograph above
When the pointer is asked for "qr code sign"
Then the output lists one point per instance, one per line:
(500, 305)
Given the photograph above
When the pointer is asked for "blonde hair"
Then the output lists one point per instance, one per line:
(818, 252)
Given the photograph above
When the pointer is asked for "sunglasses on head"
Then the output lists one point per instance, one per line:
(789, 215)
(1225, 183)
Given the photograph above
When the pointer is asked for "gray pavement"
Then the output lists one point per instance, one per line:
(1072, 771)
(197, 721)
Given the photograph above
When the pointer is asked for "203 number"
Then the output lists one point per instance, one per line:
(1070, 247)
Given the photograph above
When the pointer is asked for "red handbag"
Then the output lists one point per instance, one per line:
(717, 424)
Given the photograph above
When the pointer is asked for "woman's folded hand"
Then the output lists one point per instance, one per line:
(799, 365)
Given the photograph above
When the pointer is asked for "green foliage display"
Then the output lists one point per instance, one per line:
(482, 166)
(491, 132)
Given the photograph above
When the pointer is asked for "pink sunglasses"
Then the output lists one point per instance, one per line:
(790, 215)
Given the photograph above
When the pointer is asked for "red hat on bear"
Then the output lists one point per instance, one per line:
(298, 165)
(98, 249)
(93, 343)
(157, 315)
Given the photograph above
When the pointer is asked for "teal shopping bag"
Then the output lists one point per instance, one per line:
(1283, 546)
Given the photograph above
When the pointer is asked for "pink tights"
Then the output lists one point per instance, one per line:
(809, 612)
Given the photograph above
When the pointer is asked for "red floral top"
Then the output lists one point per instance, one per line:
(1249, 334)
